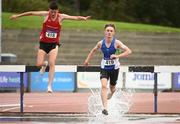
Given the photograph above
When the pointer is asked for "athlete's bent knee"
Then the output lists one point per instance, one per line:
(39, 64)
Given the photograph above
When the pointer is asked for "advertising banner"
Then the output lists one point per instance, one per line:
(63, 81)
(92, 80)
(12, 80)
(176, 81)
(142, 80)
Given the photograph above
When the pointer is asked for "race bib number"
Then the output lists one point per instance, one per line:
(109, 62)
(51, 34)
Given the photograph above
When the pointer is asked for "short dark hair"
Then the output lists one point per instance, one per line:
(53, 5)
(110, 25)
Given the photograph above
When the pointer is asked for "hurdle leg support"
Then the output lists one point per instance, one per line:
(21, 92)
(155, 93)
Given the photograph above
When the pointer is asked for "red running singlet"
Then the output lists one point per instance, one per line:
(50, 32)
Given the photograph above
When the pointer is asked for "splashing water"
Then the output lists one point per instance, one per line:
(118, 105)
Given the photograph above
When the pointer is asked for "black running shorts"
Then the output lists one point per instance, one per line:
(47, 47)
(110, 74)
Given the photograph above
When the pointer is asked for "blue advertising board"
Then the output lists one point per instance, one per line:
(176, 81)
(12, 80)
(63, 81)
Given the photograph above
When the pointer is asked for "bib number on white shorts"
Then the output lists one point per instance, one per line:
(51, 34)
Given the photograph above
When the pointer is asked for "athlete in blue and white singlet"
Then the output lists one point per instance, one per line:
(110, 62)
(107, 63)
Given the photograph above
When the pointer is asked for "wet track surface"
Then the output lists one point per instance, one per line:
(86, 118)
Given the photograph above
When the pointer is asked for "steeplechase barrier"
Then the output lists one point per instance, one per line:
(74, 68)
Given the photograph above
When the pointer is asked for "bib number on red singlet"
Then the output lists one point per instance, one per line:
(50, 34)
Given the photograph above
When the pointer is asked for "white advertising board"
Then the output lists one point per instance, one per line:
(142, 80)
(92, 80)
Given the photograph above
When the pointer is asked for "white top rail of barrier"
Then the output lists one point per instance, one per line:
(124, 69)
(167, 69)
(22, 68)
(66, 68)
(12, 68)
(73, 68)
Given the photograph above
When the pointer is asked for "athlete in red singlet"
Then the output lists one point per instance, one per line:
(51, 30)
(49, 37)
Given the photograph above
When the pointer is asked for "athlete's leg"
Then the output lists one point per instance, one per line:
(112, 90)
(52, 60)
(104, 92)
(40, 58)
(113, 81)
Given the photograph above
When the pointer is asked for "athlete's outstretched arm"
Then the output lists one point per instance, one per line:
(125, 53)
(65, 16)
(30, 13)
(90, 55)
